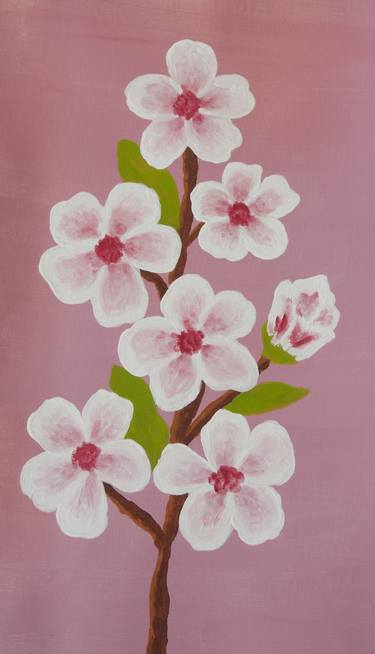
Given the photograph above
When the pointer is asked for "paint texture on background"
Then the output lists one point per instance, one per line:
(63, 69)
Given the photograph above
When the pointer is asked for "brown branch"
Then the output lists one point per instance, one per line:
(194, 233)
(183, 418)
(159, 282)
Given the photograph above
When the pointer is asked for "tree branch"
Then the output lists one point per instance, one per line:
(159, 282)
(183, 418)
(194, 233)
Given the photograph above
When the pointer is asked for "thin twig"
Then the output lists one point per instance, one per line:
(183, 418)
(159, 282)
(194, 233)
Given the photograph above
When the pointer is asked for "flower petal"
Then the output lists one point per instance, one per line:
(315, 302)
(147, 345)
(303, 342)
(230, 314)
(176, 384)
(209, 200)
(275, 198)
(270, 456)
(205, 521)
(120, 296)
(212, 138)
(185, 301)
(227, 364)
(180, 470)
(163, 141)
(223, 240)
(151, 96)
(70, 274)
(45, 478)
(257, 514)
(83, 511)
(282, 312)
(156, 250)
(56, 425)
(129, 207)
(76, 220)
(266, 239)
(125, 465)
(241, 180)
(192, 65)
(229, 96)
(106, 417)
(225, 438)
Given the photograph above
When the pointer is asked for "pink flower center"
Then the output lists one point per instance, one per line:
(226, 479)
(186, 105)
(85, 456)
(239, 214)
(109, 249)
(190, 342)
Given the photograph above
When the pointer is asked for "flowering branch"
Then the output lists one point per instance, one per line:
(183, 418)
(159, 282)
(194, 233)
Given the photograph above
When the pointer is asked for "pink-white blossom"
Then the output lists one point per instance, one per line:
(242, 214)
(303, 316)
(194, 341)
(232, 487)
(191, 108)
(82, 452)
(100, 251)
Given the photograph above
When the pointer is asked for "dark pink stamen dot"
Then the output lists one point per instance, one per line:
(186, 105)
(190, 341)
(239, 214)
(85, 456)
(226, 479)
(109, 249)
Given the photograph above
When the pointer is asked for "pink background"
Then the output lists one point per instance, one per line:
(64, 66)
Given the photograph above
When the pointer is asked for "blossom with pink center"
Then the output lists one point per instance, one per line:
(241, 214)
(194, 341)
(82, 452)
(232, 487)
(100, 251)
(303, 316)
(191, 108)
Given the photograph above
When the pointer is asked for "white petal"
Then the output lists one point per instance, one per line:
(130, 207)
(282, 313)
(209, 201)
(70, 273)
(257, 514)
(205, 521)
(227, 364)
(176, 384)
(241, 180)
(275, 198)
(180, 470)
(83, 511)
(315, 302)
(192, 65)
(147, 345)
(120, 295)
(156, 250)
(223, 240)
(303, 343)
(163, 141)
(185, 301)
(106, 417)
(229, 96)
(76, 220)
(270, 456)
(45, 478)
(224, 439)
(151, 96)
(125, 465)
(230, 314)
(56, 425)
(266, 239)
(212, 138)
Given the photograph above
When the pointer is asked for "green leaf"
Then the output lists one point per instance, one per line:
(133, 168)
(274, 353)
(146, 427)
(266, 397)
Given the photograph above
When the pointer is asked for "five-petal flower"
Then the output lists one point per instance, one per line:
(82, 452)
(191, 108)
(232, 488)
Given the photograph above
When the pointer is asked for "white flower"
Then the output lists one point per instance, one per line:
(191, 108)
(241, 214)
(101, 249)
(195, 340)
(303, 316)
(81, 453)
(232, 489)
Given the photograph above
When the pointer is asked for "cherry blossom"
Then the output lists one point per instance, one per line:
(303, 316)
(100, 251)
(241, 214)
(232, 487)
(191, 108)
(194, 341)
(82, 452)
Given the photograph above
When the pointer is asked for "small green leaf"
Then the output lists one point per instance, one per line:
(146, 427)
(266, 397)
(133, 168)
(275, 353)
